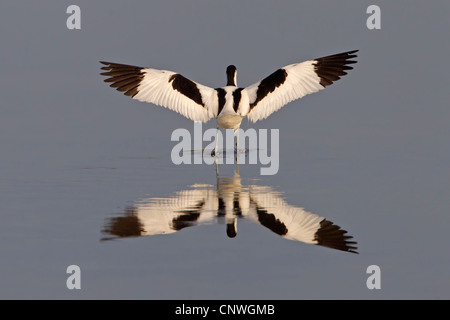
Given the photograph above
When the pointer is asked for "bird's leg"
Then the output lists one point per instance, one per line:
(217, 170)
(214, 152)
(236, 145)
(237, 141)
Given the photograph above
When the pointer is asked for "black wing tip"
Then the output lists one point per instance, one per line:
(330, 68)
(347, 55)
(125, 78)
(351, 52)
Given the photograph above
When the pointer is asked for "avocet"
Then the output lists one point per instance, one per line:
(228, 104)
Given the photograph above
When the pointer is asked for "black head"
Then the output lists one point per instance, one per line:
(231, 75)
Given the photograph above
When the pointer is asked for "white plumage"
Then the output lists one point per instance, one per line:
(156, 88)
(302, 80)
(229, 104)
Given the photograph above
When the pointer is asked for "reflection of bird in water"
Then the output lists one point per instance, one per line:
(229, 201)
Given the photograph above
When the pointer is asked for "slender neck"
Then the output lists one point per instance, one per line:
(231, 76)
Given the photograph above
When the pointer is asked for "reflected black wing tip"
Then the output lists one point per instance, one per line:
(332, 236)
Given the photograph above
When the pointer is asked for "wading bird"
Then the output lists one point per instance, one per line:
(229, 104)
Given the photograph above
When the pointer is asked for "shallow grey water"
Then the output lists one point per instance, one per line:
(370, 154)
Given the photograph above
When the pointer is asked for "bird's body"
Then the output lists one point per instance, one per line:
(229, 104)
(227, 116)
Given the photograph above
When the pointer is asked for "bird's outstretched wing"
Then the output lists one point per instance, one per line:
(162, 87)
(295, 81)
(154, 216)
(295, 223)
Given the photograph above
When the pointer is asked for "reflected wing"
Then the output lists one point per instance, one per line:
(294, 223)
(295, 81)
(161, 87)
(166, 215)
